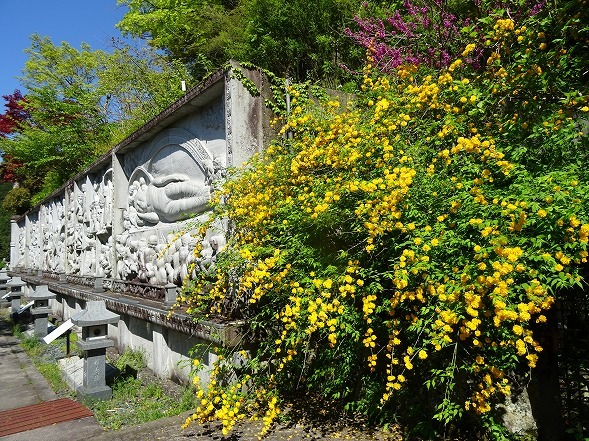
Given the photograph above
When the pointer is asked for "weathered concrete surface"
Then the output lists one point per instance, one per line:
(166, 338)
(20, 383)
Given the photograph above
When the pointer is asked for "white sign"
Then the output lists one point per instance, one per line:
(59, 331)
(24, 308)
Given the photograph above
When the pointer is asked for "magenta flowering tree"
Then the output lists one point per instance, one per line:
(427, 33)
(410, 34)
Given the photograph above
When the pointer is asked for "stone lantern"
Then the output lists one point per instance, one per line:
(94, 322)
(40, 310)
(3, 288)
(16, 292)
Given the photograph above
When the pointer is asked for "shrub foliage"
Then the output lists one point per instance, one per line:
(405, 246)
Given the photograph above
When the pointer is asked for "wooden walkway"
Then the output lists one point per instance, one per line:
(41, 415)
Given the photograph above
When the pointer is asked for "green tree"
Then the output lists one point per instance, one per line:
(135, 84)
(65, 120)
(300, 39)
(79, 103)
(5, 215)
(203, 34)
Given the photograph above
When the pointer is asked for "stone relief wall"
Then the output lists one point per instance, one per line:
(33, 239)
(18, 258)
(131, 217)
(168, 181)
(88, 226)
(53, 236)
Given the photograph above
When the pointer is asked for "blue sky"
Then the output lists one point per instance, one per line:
(74, 21)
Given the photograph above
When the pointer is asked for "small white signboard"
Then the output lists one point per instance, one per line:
(59, 331)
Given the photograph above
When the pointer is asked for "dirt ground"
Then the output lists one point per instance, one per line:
(169, 429)
(306, 423)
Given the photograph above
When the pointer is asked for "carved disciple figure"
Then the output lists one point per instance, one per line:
(21, 246)
(96, 210)
(104, 267)
(210, 250)
(127, 265)
(107, 191)
(146, 258)
(34, 245)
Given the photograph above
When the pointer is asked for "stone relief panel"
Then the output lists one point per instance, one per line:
(89, 241)
(53, 234)
(21, 243)
(162, 258)
(134, 219)
(81, 225)
(100, 226)
(34, 241)
(170, 180)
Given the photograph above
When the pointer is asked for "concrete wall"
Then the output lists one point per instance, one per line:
(167, 350)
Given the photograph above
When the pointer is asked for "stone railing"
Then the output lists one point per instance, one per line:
(136, 289)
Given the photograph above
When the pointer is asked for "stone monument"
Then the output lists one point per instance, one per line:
(15, 287)
(40, 310)
(3, 288)
(94, 322)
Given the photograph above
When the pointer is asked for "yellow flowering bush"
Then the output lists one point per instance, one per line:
(406, 245)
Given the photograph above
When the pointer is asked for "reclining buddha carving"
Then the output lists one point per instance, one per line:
(173, 183)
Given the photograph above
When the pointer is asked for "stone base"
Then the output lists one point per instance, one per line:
(72, 371)
(518, 418)
(97, 393)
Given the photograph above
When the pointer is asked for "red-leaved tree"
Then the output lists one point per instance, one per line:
(11, 121)
(14, 115)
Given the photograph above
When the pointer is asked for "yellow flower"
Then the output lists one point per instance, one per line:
(408, 364)
(468, 49)
(517, 329)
